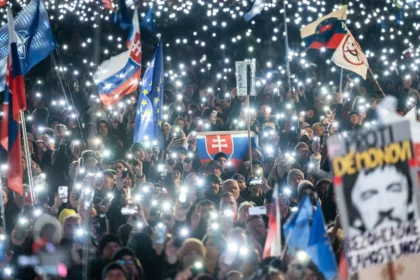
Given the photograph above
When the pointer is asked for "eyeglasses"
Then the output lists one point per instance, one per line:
(130, 261)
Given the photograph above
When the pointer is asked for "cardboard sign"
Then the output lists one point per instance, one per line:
(377, 189)
(242, 77)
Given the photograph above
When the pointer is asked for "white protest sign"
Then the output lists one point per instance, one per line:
(242, 77)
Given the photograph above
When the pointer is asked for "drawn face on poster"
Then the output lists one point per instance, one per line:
(381, 198)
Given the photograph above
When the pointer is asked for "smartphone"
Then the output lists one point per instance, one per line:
(108, 199)
(161, 233)
(27, 198)
(197, 268)
(256, 181)
(316, 144)
(259, 210)
(124, 173)
(63, 192)
(128, 211)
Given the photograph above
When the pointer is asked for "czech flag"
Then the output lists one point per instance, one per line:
(233, 143)
(326, 32)
(120, 75)
(14, 102)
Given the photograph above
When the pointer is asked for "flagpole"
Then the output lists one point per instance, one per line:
(27, 155)
(379, 86)
(286, 42)
(341, 80)
(3, 217)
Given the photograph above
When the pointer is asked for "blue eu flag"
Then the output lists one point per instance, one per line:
(148, 22)
(297, 228)
(149, 107)
(35, 40)
(320, 248)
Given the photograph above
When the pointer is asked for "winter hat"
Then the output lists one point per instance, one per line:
(304, 125)
(304, 185)
(89, 153)
(65, 214)
(294, 172)
(123, 251)
(192, 244)
(107, 239)
(220, 155)
(238, 176)
(112, 266)
(136, 147)
(301, 145)
(44, 220)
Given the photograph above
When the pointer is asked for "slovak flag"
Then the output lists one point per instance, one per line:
(233, 143)
(272, 247)
(326, 32)
(14, 102)
(120, 75)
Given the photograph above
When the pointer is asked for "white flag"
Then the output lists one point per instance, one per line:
(350, 56)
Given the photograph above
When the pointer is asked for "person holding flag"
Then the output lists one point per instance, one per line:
(14, 104)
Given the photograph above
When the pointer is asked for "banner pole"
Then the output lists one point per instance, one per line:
(341, 80)
(27, 155)
(379, 86)
(286, 42)
(251, 170)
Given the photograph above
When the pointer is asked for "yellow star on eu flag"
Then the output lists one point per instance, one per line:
(150, 83)
(147, 113)
(156, 100)
(158, 89)
(157, 111)
(144, 102)
(145, 92)
(159, 123)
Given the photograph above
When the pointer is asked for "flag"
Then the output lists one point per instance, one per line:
(233, 143)
(108, 4)
(120, 75)
(319, 246)
(149, 106)
(148, 22)
(257, 7)
(34, 37)
(122, 16)
(3, 3)
(272, 246)
(326, 32)
(297, 229)
(14, 102)
(350, 56)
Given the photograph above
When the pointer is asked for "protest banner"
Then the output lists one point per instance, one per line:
(233, 143)
(377, 188)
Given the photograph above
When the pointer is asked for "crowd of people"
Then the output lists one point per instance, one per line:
(107, 208)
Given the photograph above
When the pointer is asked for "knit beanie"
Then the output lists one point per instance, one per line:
(107, 239)
(65, 214)
(124, 251)
(294, 172)
(192, 244)
(112, 266)
(304, 185)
